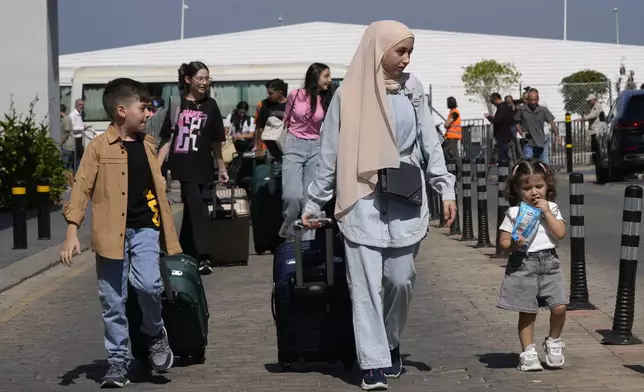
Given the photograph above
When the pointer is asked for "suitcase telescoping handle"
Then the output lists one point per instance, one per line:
(298, 227)
(231, 184)
(165, 278)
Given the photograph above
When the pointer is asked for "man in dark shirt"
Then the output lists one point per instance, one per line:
(503, 121)
(273, 106)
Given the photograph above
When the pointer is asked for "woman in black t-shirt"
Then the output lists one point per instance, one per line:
(198, 134)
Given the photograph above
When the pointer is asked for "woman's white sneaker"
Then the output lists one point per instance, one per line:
(554, 352)
(529, 360)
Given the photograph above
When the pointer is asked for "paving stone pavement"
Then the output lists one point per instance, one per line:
(456, 339)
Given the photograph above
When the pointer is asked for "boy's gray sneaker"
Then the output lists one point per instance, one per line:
(161, 357)
(116, 376)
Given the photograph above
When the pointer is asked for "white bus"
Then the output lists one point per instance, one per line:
(231, 84)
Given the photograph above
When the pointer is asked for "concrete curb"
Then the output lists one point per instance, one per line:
(21, 270)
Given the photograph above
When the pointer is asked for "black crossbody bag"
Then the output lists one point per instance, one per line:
(406, 182)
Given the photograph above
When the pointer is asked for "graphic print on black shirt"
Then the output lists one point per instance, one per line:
(142, 205)
(199, 125)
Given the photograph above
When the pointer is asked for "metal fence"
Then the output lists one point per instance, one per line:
(478, 141)
(557, 97)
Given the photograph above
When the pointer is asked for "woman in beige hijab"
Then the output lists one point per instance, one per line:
(378, 119)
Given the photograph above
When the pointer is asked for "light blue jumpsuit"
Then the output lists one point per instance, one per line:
(382, 235)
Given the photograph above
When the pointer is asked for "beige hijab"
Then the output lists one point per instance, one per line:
(367, 140)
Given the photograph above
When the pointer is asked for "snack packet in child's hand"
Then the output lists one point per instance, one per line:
(527, 223)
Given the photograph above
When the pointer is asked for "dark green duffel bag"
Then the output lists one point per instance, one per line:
(185, 312)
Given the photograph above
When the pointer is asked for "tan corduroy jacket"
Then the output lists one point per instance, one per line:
(102, 177)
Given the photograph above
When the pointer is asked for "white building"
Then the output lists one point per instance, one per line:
(438, 59)
(29, 67)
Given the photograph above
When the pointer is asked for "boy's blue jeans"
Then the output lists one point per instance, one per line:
(140, 265)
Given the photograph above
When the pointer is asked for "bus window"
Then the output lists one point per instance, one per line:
(228, 94)
(66, 97)
(93, 96)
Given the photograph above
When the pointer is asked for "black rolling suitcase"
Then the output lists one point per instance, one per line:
(229, 212)
(185, 312)
(266, 206)
(311, 303)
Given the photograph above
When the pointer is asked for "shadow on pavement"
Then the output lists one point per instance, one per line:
(635, 368)
(499, 360)
(93, 371)
(97, 369)
(420, 366)
(352, 378)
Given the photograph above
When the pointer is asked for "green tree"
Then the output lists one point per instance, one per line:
(487, 77)
(576, 87)
(28, 153)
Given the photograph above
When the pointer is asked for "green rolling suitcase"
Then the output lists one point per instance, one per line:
(185, 312)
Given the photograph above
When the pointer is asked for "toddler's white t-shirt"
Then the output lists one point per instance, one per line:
(543, 240)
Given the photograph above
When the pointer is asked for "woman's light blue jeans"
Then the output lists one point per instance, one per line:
(299, 168)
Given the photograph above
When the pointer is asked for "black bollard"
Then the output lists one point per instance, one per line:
(502, 206)
(622, 332)
(44, 209)
(455, 228)
(466, 178)
(578, 283)
(481, 195)
(568, 143)
(19, 202)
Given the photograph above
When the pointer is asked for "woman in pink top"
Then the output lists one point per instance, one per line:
(305, 111)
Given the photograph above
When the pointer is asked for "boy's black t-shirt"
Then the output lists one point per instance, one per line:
(199, 125)
(142, 204)
(270, 109)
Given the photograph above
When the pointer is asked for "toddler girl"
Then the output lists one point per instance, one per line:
(533, 276)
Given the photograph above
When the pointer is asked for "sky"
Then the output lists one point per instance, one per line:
(87, 25)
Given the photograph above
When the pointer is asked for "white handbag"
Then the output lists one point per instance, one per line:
(275, 131)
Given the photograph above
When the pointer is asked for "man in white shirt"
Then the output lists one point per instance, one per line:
(595, 121)
(79, 128)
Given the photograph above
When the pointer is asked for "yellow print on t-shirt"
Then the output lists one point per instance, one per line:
(152, 203)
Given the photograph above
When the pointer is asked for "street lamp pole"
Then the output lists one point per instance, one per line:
(184, 7)
(616, 11)
(565, 37)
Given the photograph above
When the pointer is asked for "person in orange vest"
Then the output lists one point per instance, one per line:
(453, 133)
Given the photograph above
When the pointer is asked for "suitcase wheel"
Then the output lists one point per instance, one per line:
(260, 252)
(285, 366)
(200, 356)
